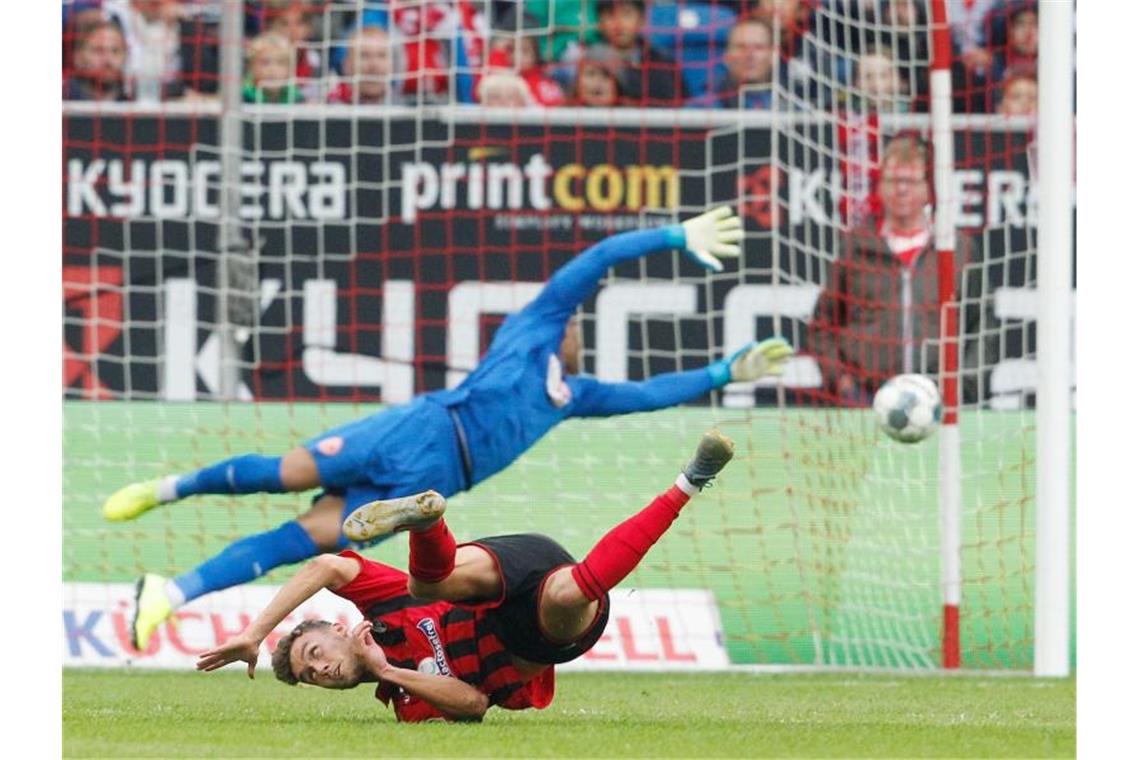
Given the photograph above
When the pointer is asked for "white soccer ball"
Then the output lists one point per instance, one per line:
(908, 407)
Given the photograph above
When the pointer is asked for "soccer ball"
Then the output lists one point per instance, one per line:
(908, 407)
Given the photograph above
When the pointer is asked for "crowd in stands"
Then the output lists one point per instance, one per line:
(855, 55)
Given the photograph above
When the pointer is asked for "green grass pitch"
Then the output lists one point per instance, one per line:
(148, 714)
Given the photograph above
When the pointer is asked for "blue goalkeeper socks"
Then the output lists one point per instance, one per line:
(248, 473)
(247, 559)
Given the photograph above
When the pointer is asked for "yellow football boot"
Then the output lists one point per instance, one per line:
(131, 501)
(152, 607)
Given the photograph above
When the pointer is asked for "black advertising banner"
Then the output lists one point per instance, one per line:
(388, 250)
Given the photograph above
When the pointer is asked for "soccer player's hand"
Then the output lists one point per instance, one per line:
(367, 649)
(237, 648)
(712, 236)
(766, 358)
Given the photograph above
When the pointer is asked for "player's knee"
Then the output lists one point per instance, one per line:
(425, 590)
(299, 470)
(562, 591)
(322, 522)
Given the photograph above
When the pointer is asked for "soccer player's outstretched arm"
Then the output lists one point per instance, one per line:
(752, 362)
(326, 571)
(705, 239)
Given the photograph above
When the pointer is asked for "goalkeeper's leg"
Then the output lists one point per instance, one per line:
(245, 474)
(316, 531)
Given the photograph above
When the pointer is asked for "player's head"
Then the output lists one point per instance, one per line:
(571, 348)
(904, 181)
(320, 653)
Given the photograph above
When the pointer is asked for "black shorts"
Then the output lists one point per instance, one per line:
(524, 561)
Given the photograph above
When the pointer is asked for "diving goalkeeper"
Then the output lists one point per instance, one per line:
(447, 440)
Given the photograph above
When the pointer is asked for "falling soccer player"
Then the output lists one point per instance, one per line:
(468, 627)
(448, 440)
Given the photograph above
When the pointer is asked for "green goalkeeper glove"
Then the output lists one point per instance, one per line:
(756, 360)
(713, 235)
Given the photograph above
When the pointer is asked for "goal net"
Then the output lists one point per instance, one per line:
(382, 245)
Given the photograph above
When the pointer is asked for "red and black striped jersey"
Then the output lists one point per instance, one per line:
(440, 638)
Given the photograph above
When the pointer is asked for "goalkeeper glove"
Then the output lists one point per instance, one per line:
(713, 235)
(756, 360)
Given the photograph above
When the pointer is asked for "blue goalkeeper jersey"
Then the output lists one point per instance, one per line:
(518, 392)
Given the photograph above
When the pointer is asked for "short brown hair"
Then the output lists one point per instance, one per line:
(907, 149)
(282, 667)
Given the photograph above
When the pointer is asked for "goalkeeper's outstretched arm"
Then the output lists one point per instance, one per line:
(593, 398)
(706, 239)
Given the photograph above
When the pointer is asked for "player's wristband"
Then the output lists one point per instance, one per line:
(674, 236)
(721, 372)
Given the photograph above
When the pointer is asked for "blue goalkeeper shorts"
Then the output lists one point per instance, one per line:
(395, 452)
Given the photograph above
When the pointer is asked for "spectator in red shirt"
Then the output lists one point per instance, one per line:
(100, 59)
(367, 70)
(503, 89)
(881, 306)
(470, 626)
(650, 76)
(509, 50)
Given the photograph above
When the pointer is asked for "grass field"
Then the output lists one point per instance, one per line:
(146, 714)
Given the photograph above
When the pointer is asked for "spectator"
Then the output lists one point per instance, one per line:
(78, 19)
(100, 57)
(598, 83)
(504, 89)
(649, 75)
(293, 20)
(881, 301)
(367, 70)
(750, 58)
(270, 58)
(879, 89)
(151, 31)
(968, 30)
(790, 21)
(507, 49)
(1019, 93)
(906, 34)
(1020, 49)
(572, 25)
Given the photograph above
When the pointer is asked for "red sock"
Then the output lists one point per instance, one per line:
(619, 551)
(431, 553)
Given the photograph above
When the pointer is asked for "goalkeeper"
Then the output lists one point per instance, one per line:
(448, 440)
